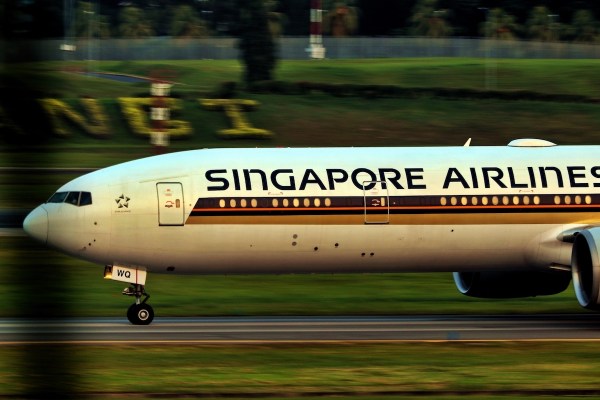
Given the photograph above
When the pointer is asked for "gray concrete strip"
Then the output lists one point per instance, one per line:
(576, 327)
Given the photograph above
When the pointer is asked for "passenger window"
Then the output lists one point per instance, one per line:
(85, 199)
(57, 197)
(72, 198)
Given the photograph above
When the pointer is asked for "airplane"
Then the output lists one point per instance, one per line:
(508, 221)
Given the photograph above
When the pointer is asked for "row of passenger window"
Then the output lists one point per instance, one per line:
(74, 198)
(513, 200)
(275, 202)
(519, 200)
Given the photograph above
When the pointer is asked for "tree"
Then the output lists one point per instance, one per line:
(500, 25)
(134, 24)
(90, 24)
(427, 20)
(274, 19)
(341, 20)
(543, 25)
(584, 27)
(255, 41)
(186, 23)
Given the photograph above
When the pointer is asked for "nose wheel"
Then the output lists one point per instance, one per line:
(140, 312)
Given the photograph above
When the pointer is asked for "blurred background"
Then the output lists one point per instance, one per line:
(76, 77)
(170, 29)
(81, 83)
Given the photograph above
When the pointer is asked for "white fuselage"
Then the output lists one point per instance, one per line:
(332, 210)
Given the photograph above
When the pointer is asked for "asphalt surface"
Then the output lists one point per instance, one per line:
(304, 329)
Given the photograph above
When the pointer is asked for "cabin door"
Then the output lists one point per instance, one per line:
(377, 204)
(170, 204)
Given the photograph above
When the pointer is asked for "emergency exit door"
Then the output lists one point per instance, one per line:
(377, 202)
(170, 203)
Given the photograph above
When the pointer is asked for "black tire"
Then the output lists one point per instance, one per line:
(140, 314)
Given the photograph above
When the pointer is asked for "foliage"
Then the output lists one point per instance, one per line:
(47, 19)
(186, 23)
(98, 124)
(428, 20)
(59, 111)
(371, 91)
(89, 23)
(500, 25)
(133, 23)
(225, 90)
(256, 43)
(276, 20)
(584, 27)
(134, 110)
(341, 20)
(542, 25)
(241, 128)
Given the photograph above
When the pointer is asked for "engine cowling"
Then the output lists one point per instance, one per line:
(585, 263)
(511, 284)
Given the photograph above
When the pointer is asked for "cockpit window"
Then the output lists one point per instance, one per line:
(85, 199)
(75, 198)
(57, 197)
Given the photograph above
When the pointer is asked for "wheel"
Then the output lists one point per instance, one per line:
(140, 314)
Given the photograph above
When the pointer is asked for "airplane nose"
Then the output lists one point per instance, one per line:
(36, 224)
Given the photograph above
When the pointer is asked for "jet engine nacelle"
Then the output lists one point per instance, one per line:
(585, 262)
(511, 284)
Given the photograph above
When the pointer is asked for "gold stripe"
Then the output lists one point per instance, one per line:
(404, 219)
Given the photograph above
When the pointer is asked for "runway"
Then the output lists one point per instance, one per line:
(304, 329)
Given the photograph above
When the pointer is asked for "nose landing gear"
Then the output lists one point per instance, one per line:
(139, 313)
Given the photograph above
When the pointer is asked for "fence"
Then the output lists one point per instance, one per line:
(163, 48)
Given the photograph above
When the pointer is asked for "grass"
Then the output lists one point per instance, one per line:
(355, 121)
(349, 369)
(546, 76)
(304, 121)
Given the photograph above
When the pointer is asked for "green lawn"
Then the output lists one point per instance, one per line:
(316, 119)
(481, 370)
(546, 76)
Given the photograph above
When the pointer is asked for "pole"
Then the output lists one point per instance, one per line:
(317, 51)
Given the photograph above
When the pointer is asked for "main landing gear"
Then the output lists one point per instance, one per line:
(139, 313)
